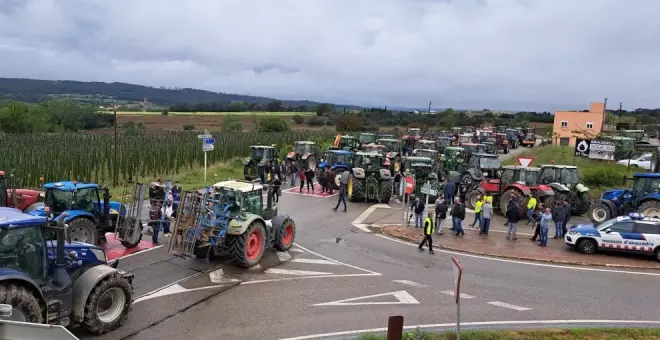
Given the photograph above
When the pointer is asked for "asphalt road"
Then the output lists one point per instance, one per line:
(339, 278)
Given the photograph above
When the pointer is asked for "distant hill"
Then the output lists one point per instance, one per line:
(34, 90)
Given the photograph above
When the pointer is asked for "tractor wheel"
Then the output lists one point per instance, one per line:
(582, 205)
(355, 189)
(471, 199)
(83, 230)
(385, 191)
(466, 183)
(108, 304)
(548, 201)
(650, 209)
(284, 241)
(247, 249)
(396, 166)
(561, 196)
(310, 163)
(507, 195)
(335, 183)
(25, 306)
(599, 212)
(33, 206)
(131, 241)
(203, 251)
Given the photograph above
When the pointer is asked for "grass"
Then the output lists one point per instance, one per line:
(543, 334)
(243, 113)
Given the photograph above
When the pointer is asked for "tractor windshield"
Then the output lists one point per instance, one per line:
(489, 163)
(258, 153)
(23, 249)
(231, 199)
(368, 163)
(366, 138)
(301, 149)
(443, 142)
(62, 200)
(346, 142)
(569, 176)
(529, 177)
(425, 153)
(344, 159)
(420, 170)
(389, 146)
(414, 132)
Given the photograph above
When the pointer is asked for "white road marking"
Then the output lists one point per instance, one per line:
(280, 271)
(180, 280)
(451, 293)
(139, 252)
(284, 256)
(507, 305)
(358, 221)
(216, 276)
(528, 263)
(410, 283)
(465, 228)
(257, 267)
(403, 298)
(345, 264)
(296, 250)
(306, 278)
(315, 261)
(487, 323)
(173, 289)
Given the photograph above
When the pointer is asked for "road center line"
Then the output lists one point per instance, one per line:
(451, 293)
(410, 283)
(506, 305)
(294, 272)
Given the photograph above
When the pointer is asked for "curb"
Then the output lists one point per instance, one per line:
(377, 229)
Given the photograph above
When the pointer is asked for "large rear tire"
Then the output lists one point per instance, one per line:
(471, 199)
(247, 249)
(284, 241)
(599, 212)
(650, 209)
(25, 306)
(83, 230)
(131, 241)
(310, 163)
(108, 304)
(385, 192)
(355, 189)
(507, 195)
(335, 183)
(582, 205)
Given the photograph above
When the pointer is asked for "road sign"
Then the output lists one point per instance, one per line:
(458, 273)
(204, 136)
(426, 189)
(207, 147)
(410, 185)
(525, 161)
(209, 140)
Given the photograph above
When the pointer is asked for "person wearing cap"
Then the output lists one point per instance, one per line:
(428, 233)
(343, 184)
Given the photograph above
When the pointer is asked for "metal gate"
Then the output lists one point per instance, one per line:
(128, 227)
(187, 227)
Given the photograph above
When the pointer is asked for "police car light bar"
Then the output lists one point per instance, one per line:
(636, 216)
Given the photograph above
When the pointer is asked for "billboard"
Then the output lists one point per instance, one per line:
(595, 149)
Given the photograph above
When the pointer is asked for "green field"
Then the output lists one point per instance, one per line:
(243, 113)
(542, 334)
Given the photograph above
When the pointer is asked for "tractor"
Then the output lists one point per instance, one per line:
(433, 155)
(339, 161)
(643, 197)
(348, 143)
(490, 148)
(452, 160)
(410, 139)
(565, 182)
(502, 142)
(512, 137)
(478, 167)
(258, 163)
(528, 137)
(465, 138)
(484, 136)
(441, 143)
(393, 152)
(370, 180)
(421, 168)
(305, 155)
(471, 148)
(365, 138)
(90, 214)
(21, 199)
(48, 278)
(231, 220)
(426, 144)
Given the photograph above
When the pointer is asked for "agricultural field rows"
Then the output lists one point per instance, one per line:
(242, 113)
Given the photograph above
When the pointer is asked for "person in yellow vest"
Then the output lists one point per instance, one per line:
(428, 233)
(488, 197)
(477, 211)
(531, 206)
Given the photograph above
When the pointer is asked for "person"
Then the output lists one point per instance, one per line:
(486, 216)
(283, 171)
(537, 222)
(322, 180)
(343, 183)
(294, 173)
(397, 183)
(477, 211)
(450, 189)
(419, 212)
(458, 215)
(428, 233)
(277, 183)
(301, 176)
(330, 178)
(531, 207)
(441, 209)
(512, 217)
(544, 223)
(309, 177)
(567, 216)
(157, 222)
(558, 215)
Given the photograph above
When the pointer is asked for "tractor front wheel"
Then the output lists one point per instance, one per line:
(599, 212)
(287, 234)
(385, 192)
(582, 205)
(355, 189)
(650, 209)
(247, 249)
(25, 306)
(335, 183)
(471, 199)
(108, 304)
(310, 163)
(84, 231)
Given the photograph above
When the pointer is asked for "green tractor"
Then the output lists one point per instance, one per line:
(370, 180)
(256, 166)
(452, 161)
(365, 138)
(422, 170)
(565, 182)
(348, 143)
(392, 149)
(433, 155)
(305, 155)
(427, 144)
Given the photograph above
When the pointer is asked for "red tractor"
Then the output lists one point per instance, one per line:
(410, 139)
(514, 181)
(20, 199)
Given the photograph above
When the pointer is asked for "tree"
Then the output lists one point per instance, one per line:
(231, 123)
(19, 117)
(275, 106)
(349, 123)
(298, 119)
(272, 124)
(325, 109)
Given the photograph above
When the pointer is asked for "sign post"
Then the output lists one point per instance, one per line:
(409, 189)
(427, 190)
(525, 161)
(207, 145)
(458, 274)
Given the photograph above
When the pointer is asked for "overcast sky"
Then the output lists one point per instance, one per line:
(498, 54)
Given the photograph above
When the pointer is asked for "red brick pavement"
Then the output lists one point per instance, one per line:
(497, 245)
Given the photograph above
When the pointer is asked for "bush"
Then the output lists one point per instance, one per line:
(316, 121)
(298, 119)
(164, 112)
(603, 176)
(189, 127)
(231, 124)
(272, 124)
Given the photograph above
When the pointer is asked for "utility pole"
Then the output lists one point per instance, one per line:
(430, 107)
(604, 116)
(114, 161)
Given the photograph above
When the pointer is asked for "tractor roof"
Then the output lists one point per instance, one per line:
(69, 186)
(262, 147)
(414, 129)
(347, 137)
(646, 175)
(242, 186)
(454, 148)
(426, 150)
(515, 167)
(368, 154)
(387, 140)
(445, 137)
(341, 152)
(558, 166)
(426, 141)
(12, 218)
(418, 159)
(306, 142)
(367, 133)
(485, 155)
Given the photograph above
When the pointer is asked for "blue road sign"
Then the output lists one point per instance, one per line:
(209, 140)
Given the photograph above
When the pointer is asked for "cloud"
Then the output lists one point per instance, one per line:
(506, 54)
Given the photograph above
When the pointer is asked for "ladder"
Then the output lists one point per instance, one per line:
(128, 227)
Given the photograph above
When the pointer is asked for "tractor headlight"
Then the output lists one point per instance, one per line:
(100, 255)
(114, 212)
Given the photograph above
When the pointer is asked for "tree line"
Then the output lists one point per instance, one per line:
(50, 116)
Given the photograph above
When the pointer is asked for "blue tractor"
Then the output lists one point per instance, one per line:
(643, 197)
(339, 161)
(47, 278)
(90, 214)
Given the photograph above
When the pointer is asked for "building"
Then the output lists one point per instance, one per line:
(570, 125)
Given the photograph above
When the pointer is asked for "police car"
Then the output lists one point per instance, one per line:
(633, 233)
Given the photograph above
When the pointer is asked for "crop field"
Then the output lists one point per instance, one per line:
(83, 157)
(242, 113)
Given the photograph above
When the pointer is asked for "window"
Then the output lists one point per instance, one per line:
(648, 228)
(564, 124)
(23, 249)
(590, 125)
(254, 202)
(623, 227)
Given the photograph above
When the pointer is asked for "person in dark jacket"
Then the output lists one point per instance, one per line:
(558, 215)
(441, 208)
(567, 216)
(309, 177)
(277, 183)
(330, 178)
(458, 215)
(428, 233)
(419, 212)
(537, 221)
(294, 173)
(512, 217)
(450, 189)
(301, 176)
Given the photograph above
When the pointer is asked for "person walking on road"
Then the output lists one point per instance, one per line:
(477, 211)
(309, 176)
(428, 233)
(277, 183)
(294, 173)
(441, 209)
(546, 217)
(450, 189)
(486, 216)
(567, 216)
(531, 207)
(343, 183)
(513, 217)
(301, 176)
(458, 215)
(558, 215)
(419, 211)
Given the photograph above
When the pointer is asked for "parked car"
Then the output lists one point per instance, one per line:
(644, 161)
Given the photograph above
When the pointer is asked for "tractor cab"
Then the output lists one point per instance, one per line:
(412, 136)
(256, 165)
(565, 182)
(442, 142)
(260, 153)
(474, 148)
(366, 138)
(564, 174)
(488, 164)
(426, 144)
(484, 136)
(456, 130)
(236, 198)
(338, 157)
(348, 143)
(465, 139)
(453, 159)
(374, 148)
(303, 155)
(390, 145)
(371, 162)
(433, 155)
(393, 151)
